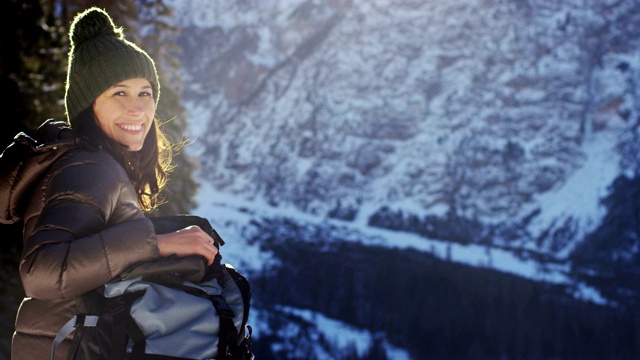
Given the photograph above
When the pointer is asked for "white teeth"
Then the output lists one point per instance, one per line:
(132, 127)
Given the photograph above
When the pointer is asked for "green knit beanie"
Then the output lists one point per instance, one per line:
(99, 58)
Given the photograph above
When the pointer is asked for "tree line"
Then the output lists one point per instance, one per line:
(434, 308)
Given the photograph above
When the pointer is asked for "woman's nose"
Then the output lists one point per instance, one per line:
(135, 107)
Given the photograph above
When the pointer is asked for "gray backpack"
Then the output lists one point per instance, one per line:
(172, 308)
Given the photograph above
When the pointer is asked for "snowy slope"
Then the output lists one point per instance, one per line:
(510, 114)
(230, 215)
(483, 133)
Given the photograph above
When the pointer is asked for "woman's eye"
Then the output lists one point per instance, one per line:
(145, 93)
(120, 93)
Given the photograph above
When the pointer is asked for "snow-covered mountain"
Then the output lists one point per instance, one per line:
(501, 134)
(512, 114)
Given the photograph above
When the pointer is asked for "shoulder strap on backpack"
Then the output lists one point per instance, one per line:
(228, 332)
(112, 323)
(236, 346)
(125, 328)
(71, 326)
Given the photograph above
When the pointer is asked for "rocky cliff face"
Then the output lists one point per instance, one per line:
(480, 111)
(510, 125)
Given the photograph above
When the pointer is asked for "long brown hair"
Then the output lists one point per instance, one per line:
(147, 168)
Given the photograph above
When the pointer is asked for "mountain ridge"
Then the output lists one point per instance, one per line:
(347, 107)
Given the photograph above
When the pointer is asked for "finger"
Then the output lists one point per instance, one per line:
(210, 251)
(211, 255)
(209, 239)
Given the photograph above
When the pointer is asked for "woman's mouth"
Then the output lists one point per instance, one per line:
(131, 127)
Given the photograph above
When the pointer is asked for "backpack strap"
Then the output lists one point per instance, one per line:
(228, 332)
(125, 328)
(71, 326)
(115, 315)
(245, 351)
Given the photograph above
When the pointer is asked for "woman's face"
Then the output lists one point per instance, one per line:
(125, 112)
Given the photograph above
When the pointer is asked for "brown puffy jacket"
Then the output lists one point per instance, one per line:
(82, 227)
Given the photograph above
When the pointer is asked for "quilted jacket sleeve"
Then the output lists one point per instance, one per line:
(89, 230)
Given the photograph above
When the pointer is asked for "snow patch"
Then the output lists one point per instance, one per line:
(229, 215)
(580, 195)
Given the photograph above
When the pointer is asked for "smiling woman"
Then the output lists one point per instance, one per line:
(125, 112)
(82, 193)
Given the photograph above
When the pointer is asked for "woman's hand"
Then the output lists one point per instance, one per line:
(188, 241)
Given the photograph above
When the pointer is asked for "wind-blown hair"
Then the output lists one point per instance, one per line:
(147, 168)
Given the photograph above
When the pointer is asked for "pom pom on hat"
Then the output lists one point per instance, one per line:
(100, 57)
(91, 24)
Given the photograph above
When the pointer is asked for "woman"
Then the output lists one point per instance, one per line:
(82, 197)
